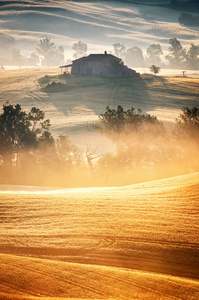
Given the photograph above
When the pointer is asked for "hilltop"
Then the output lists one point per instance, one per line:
(75, 109)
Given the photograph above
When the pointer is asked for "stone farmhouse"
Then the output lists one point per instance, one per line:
(106, 65)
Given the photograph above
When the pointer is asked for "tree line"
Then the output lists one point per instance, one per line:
(48, 54)
(177, 56)
(145, 150)
(28, 149)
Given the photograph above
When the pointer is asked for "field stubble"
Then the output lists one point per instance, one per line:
(150, 227)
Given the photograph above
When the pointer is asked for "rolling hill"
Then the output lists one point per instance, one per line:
(42, 279)
(76, 110)
(131, 242)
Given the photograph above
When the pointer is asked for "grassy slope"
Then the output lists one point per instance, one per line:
(146, 90)
(42, 278)
(163, 96)
(150, 227)
(76, 110)
(86, 97)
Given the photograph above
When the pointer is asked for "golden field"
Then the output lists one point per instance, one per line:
(133, 242)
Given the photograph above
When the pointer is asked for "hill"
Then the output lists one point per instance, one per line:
(75, 110)
(42, 279)
(121, 243)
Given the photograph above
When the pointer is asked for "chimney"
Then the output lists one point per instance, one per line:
(105, 52)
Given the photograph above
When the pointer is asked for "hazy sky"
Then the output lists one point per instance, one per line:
(99, 24)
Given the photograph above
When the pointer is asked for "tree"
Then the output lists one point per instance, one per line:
(139, 138)
(112, 120)
(154, 69)
(186, 132)
(177, 55)
(193, 56)
(46, 49)
(80, 49)
(30, 155)
(154, 51)
(14, 128)
(119, 49)
(187, 124)
(118, 123)
(134, 57)
(16, 59)
(38, 125)
(33, 60)
(20, 130)
(51, 55)
(58, 56)
(68, 153)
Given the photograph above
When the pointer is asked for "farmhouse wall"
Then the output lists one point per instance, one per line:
(99, 65)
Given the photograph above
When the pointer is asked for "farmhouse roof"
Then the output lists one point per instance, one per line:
(91, 57)
(66, 66)
(94, 57)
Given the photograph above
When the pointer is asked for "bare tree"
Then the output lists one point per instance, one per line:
(90, 156)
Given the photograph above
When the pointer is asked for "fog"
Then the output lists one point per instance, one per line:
(140, 157)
